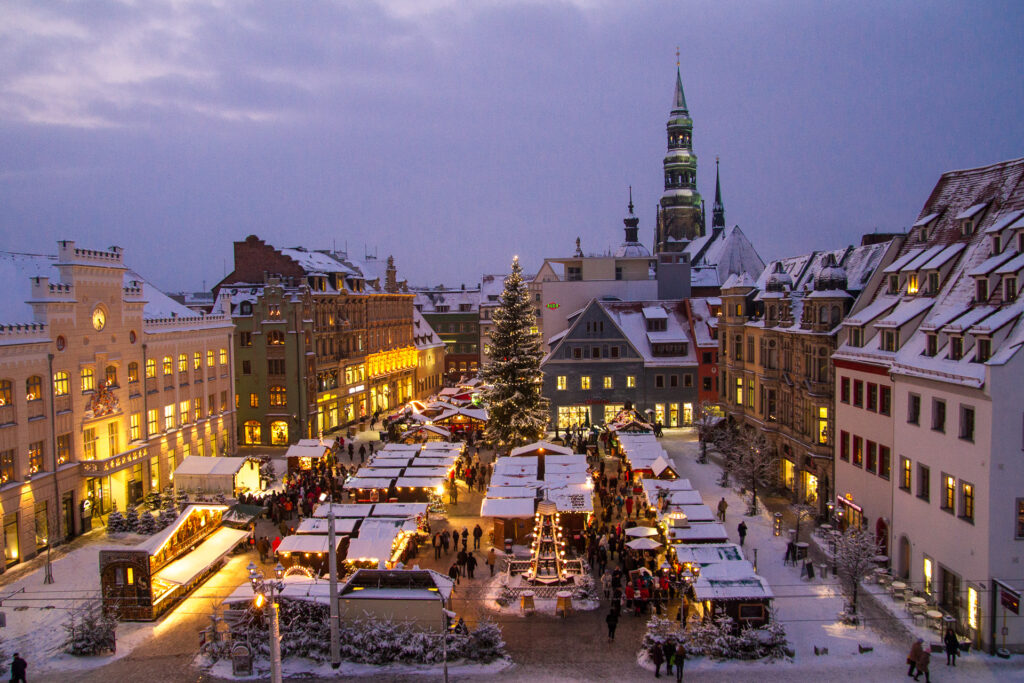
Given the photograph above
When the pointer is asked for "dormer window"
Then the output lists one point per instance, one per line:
(894, 283)
(931, 346)
(956, 347)
(995, 244)
(967, 227)
(983, 350)
(1010, 288)
(923, 235)
(889, 340)
(933, 283)
(857, 337)
(981, 290)
(912, 286)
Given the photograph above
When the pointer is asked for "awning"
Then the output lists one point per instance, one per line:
(209, 552)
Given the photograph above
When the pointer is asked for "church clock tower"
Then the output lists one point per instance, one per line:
(681, 214)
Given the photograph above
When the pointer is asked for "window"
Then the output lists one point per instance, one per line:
(822, 424)
(35, 457)
(938, 415)
(89, 443)
(948, 502)
(278, 396)
(183, 413)
(889, 340)
(933, 283)
(1019, 525)
(210, 358)
(984, 349)
(706, 383)
(844, 389)
(894, 283)
(739, 391)
(967, 423)
(197, 408)
(577, 353)
(687, 380)
(659, 381)
(607, 382)
(168, 364)
(858, 451)
(844, 446)
(1010, 288)
(885, 400)
(871, 457)
(113, 438)
(560, 382)
(981, 290)
(6, 392)
(750, 348)
(631, 381)
(928, 586)
(912, 285)
(914, 409)
(884, 462)
(152, 421)
(150, 368)
(595, 352)
(931, 344)
(197, 360)
(858, 393)
(63, 448)
(275, 338)
(223, 356)
(924, 483)
(872, 397)
(956, 347)
(61, 383)
(750, 393)
(905, 473)
(614, 352)
(7, 469)
(223, 401)
(169, 417)
(673, 380)
(133, 373)
(254, 400)
(275, 366)
(857, 337)
(135, 427)
(967, 501)
(88, 380)
(246, 367)
(182, 362)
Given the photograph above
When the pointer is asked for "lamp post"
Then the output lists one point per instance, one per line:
(332, 573)
(262, 590)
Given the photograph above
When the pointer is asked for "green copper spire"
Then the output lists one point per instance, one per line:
(679, 99)
(718, 212)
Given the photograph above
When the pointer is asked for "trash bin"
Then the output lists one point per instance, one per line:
(508, 546)
(823, 570)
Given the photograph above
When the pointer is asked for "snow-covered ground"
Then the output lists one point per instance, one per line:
(492, 589)
(306, 668)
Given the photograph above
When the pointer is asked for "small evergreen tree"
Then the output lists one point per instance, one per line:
(89, 631)
(147, 524)
(153, 500)
(166, 518)
(131, 519)
(116, 523)
(517, 412)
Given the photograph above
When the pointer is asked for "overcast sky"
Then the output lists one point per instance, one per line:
(454, 135)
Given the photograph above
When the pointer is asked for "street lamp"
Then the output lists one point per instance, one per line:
(332, 573)
(263, 589)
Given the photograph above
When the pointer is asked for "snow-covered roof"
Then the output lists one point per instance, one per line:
(185, 569)
(310, 448)
(971, 211)
(943, 257)
(925, 220)
(905, 312)
(709, 553)
(307, 543)
(731, 581)
(1004, 221)
(507, 507)
(869, 313)
(632, 319)
(211, 465)
(701, 532)
(318, 525)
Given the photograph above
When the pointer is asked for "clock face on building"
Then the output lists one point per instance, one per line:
(99, 319)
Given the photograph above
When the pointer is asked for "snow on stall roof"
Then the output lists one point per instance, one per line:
(400, 447)
(154, 542)
(697, 513)
(425, 472)
(571, 498)
(309, 448)
(210, 551)
(709, 553)
(351, 510)
(318, 525)
(682, 497)
(512, 491)
(308, 543)
(746, 588)
(365, 483)
(1004, 221)
(507, 507)
(547, 446)
(565, 459)
(659, 465)
(373, 543)
(378, 472)
(296, 587)
(905, 312)
(407, 510)
(700, 532)
(211, 465)
(416, 482)
(397, 584)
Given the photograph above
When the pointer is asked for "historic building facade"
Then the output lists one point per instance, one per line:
(681, 214)
(776, 337)
(106, 384)
(455, 316)
(930, 362)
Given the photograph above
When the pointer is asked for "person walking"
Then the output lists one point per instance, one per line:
(668, 649)
(629, 507)
(18, 667)
(263, 546)
(612, 620)
(923, 661)
(722, 507)
(461, 559)
(492, 559)
(453, 572)
(437, 546)
(679, 660)
(912, 657)
(465, 538)
(606, 584)
(742, 529)
(477, 534)
(658, 657)
(952, 647)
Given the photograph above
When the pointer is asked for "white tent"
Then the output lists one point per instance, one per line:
(217, 474)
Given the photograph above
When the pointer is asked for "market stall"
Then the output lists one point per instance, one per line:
(733, 589)
(306, 452)
(218, 474)
(312, 551)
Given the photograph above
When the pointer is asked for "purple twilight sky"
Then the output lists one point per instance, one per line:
(455, 134)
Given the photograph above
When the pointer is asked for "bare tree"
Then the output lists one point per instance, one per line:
(705, 424)
(803, 512)
(855, 560)
(753, 463)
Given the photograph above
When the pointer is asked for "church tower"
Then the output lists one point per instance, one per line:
(681, 214)
(718, 210)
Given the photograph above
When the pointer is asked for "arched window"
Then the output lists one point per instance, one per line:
(88, 380)
(133, 372)
(278, 396)
(835, 315)
(150, 368)
(61, 383)
(197, 360)
(279, 433)
(275, 338)
(111, 376)
(182, 362)
(6, 392)
(252, 433)
(34, 388)
(168, 365)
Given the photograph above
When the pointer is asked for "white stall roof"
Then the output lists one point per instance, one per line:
(372, 545)
(707, 532)
(561, 459)
(434, 460)
(683, 498)
(390, 460)
(423, 472)
(572, 498)
(708, 553)
(443, 446)
(511, 492)
(210, 551)
(157, 540)
(307, 543)
(696, 513)
(399, 509)
(419, 482)
(546, 446)
(309, 448)
(318, 525)
(296, 587)
(355, 510)
(403, 447)
(379, 472)
(507, 507)
(210, 465)
(652, 486)
(366, 483)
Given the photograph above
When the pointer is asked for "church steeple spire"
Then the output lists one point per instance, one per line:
(681, 218)
(718, 211)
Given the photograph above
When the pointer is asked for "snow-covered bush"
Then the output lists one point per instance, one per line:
(585, 588)
(147, 524)
(89, 631)
(717, 639)
(131, 519)
(153, 500)
(116, 523)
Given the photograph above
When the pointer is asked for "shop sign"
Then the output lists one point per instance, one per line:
(1010, 601)
(356, 389)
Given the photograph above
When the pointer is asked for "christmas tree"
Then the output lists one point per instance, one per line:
(116, 523)
(131, 519)
(147, 524)
(517, 413)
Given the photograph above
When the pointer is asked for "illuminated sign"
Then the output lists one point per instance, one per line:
(357, 388)
(552, 305)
